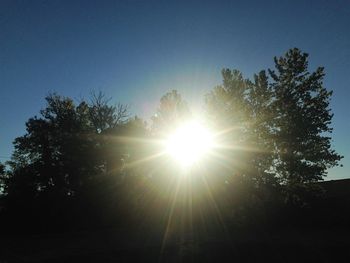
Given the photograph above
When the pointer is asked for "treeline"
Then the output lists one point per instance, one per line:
(89, 163)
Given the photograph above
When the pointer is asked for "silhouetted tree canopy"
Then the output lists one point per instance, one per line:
(171, 111)
(90, 160)
(71, 153)
(303, 120)
(279, 128)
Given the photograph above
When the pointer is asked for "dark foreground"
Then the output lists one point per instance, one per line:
(111, 245)
(321, 234)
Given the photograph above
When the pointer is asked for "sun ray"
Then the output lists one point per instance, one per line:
(226, 130)
(143, 160)
(217, 211)
(170, 215)
(239, 147)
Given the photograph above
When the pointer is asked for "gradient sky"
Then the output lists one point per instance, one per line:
(135, 51)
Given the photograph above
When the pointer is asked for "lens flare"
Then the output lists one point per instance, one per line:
(189, 143)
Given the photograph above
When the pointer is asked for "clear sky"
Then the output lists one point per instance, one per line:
(135, 51)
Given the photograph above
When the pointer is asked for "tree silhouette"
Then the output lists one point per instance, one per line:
(104, 116)
(2, 176)
(90, 160)
(278, 130)
(240, 110)
(302, 121)
(171, 111)
(261, 145)
(68, 155)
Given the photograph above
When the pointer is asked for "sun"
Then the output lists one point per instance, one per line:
(189, 143)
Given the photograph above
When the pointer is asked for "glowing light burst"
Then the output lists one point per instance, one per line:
(189, 143)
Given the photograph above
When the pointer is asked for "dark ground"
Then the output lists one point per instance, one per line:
(322, 235)
(111, 245)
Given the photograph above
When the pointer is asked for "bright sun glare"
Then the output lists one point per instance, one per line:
(189, 143)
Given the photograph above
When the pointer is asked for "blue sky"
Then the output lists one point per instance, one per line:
(135, 51)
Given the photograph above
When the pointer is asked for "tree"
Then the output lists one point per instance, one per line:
(226, 109)
(104, 116)
(277, 130)
(302, 124)
(172, 111)
(285, 123)
(65, 149)
(260, 143)
(2, 178)
(73, 162)
(239, 110)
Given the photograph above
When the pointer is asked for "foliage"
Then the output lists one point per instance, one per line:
(172, 111)
(241, 109)
(89, 160)
(278, 129)
(71, 153)
(303, 120)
